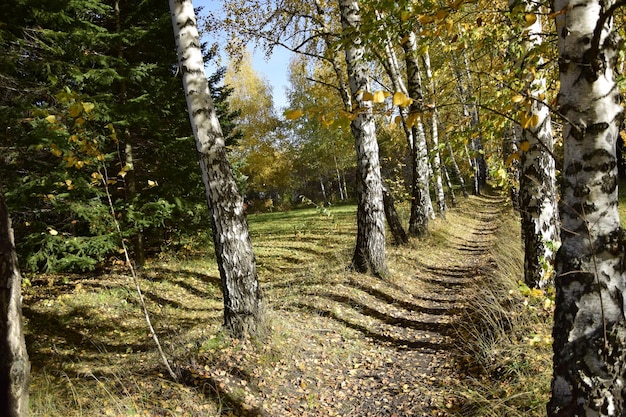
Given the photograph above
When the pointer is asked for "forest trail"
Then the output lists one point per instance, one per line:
(341, 344)
(363, 346)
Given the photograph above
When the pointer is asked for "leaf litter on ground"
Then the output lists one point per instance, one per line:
(340, 343)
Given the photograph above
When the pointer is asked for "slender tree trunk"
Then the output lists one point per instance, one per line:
(243, 305)
(369, 252)
(420, 204)
(455, 168)
(14, 364)
(446, 176)
(130, 180)
(511, 148)
(537, 192)
(341, 195)
(393, 220)
(436, 161)
(323, 188)
(589, 322)
(469, 110)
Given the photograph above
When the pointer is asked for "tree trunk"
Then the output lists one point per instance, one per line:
(369, 252)
(455, 168)
(243, 305)
(436, 161)
(323, 188)
(397, 231)
(475, 158)
(14, 364)
(446, 176)
(420, 202)
(537, 192)
(130, 180)
(392, 67)
(589, 322)
(341, 195)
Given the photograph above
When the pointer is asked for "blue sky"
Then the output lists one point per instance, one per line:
(273, 68)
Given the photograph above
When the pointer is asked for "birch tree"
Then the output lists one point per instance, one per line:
(243, 306)
(537, 192)
(369, 252)
(590, 323)
(421, 204)
(14, 364)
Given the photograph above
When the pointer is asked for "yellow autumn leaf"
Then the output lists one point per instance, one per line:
(513, 157)
(530, 18)
(401, 99)
(457, 4)
(379, 96)
(88, 106)
(411, 120)
(152, 183)
(75, 110)
(441, 14)
(293, 114)
(425, 19)
(367, 96)
(51, 119)
(524, 146)
(397, 120)
(517, 98)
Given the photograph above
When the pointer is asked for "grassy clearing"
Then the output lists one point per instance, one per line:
(340, 343)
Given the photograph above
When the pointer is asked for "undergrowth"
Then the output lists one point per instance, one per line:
(505, 339)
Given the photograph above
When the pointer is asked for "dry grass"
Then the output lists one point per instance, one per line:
(340, 343)
(505, 341)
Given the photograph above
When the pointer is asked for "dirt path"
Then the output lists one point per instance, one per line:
(358, 346)
(341, 344)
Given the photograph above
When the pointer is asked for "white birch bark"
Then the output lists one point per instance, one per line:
(421, 205)
(436, 161)
(537, 192)
(590, 323)
(243, 306)
(369, 253)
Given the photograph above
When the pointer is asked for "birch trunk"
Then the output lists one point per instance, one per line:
(369, 253)
(420, 203)
(243, 306)
(590, 324)
(537, 192)
(14, 364)
(455, 167)
(436, 162)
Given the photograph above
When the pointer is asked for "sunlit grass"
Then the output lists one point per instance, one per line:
(506, 338)
(92, 353)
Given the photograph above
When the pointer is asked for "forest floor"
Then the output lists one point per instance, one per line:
(340, 343)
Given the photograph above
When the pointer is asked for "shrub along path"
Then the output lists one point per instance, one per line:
(341, 344)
